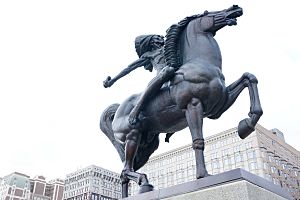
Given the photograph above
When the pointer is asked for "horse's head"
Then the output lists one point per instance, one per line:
(214, 21)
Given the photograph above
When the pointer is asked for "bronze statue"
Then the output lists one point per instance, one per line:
(195, 89)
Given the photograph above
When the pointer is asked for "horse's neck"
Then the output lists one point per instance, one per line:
(200, 45)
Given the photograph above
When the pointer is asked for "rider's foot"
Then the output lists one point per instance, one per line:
(133, 117)
(133, 120)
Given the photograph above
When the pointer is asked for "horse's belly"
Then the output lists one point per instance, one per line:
(161, 114)
(170, 119)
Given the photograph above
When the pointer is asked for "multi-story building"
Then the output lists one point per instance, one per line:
(55, 189)
(264, 153)
(42, 190)
(93, 183)
(38, 188)
(15, 186)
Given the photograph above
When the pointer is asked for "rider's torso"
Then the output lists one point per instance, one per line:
(157, 59)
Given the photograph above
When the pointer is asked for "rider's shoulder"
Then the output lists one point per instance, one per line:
(148, 54)
(152, 54)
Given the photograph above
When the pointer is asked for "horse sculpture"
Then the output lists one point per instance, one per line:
(196, 91)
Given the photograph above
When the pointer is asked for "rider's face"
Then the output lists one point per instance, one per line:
(157, 41)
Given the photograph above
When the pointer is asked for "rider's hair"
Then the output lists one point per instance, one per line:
(142, 45)
(172, 48)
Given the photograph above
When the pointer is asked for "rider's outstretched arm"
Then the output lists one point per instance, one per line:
(138, 63)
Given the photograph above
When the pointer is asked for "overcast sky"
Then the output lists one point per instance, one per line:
(54, 56)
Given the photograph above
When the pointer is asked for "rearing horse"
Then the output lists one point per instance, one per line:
(197, 91)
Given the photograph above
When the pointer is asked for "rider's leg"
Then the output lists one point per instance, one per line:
(155, 84)
(194, 116)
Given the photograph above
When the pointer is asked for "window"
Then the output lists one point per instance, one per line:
(270, 158)
(236, 148)
(190, 172)
(235, 139)
(266, 166)
(273, 169)
(213, 146)
(214, 155)
(215, 164)
(238, 157)
(275, 181)
(253, 165)
(295, 173)
(226, 161)
(189, 163)
(251, 154)
(225, 152)
(229, 140)
(232, 160)
(248, 145)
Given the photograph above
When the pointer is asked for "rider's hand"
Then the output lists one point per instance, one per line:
(107, 83)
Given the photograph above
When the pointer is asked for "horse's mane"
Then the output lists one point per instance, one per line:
(171, 48)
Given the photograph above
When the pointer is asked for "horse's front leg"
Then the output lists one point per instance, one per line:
(247, 125)
(194, 116)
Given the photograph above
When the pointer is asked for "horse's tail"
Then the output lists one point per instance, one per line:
(106, 127)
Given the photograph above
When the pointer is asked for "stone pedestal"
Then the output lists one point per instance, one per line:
(236, 184)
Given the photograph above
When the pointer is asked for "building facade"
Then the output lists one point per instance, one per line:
(15, 186)
(42, 190)
(93, 183)
(55, 189)
(38, 188)
(264, 153)
(18, 186)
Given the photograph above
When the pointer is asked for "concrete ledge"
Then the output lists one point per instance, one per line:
(234, 184)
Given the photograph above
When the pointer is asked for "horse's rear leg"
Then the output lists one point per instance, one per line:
(247, 125)
(131, 145)
(194, 116)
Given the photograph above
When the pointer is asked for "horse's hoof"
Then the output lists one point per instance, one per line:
(245, 128)
(202, 174)
(146, 187)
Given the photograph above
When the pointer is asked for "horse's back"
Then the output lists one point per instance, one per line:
(160, 114)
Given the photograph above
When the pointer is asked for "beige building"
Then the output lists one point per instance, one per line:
(264, 153)
(93, 183)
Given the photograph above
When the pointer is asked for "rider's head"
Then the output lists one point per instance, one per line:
(144, 43)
